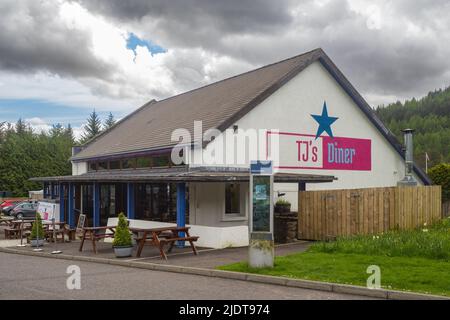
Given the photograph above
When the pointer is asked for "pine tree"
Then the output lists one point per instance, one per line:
(110, 121)
(3, 131)
(26, 154)
(56, 130)
(68, 133)
(21, 126)
(92, 128)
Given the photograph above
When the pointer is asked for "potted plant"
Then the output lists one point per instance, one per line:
(282, 206)
(37, 232)
(122, 244)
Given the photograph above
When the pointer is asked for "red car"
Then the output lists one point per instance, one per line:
(7, 205)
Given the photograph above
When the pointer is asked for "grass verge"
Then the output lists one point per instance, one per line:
(399, 273)
(417, 260)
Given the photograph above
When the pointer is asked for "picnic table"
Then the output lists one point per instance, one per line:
(94, 234)
(60, 229)
(6, 221)
(16, 227)
(161, 236)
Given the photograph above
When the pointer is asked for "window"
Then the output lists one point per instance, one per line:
(56, 190)
(161, 161)
(232, 198)
(92, 166)
(114, 165)
(143, 162)
(128, 163)
(102, 165)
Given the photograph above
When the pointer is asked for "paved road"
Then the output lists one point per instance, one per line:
(25, 277)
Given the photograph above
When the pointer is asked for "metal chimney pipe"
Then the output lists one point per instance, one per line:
(408, 180)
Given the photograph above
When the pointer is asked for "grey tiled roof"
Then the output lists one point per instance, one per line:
(217, 104)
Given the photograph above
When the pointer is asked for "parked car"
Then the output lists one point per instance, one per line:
(7, 205)
(25, 210)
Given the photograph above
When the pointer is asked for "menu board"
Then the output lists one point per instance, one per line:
(261, 203)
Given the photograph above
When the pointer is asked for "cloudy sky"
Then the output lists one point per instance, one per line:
(60, 59)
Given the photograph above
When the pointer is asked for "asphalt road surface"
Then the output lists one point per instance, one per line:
(26, 277)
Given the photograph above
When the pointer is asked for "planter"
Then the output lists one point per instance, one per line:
(282, 208)
(37, 243)
(123, 252)
(285, 227)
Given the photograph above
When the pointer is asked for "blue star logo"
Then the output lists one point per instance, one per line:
(324, 121)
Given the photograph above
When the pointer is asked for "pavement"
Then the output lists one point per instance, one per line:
(37, 275)
(207, 258)
(27, 277)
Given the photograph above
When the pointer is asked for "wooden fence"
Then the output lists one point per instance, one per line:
(328, 214)
(446, 209)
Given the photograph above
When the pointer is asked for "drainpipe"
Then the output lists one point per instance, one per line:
(408, 180)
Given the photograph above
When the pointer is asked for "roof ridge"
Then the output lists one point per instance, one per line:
(241, 74)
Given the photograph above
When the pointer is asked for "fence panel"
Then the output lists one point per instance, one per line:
(329, 214)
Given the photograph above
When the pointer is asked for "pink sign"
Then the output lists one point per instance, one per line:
(346, 153)
(305, 151)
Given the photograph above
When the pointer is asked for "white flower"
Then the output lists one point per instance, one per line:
(425, 230)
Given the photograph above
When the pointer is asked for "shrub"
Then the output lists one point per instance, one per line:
(282, 202)
(440, 174)
(37, 231)
(122, 236)
(282, 206)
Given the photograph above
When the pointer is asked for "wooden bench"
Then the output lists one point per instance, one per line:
(172, 241)
(95, 234)
(11, 233)
(16, 228)
(60, 230)
(159, 237)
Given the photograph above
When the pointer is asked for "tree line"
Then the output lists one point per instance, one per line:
(26, 153)
(430, 117)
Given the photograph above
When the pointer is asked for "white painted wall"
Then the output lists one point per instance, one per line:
(207, 205)
(79, 168)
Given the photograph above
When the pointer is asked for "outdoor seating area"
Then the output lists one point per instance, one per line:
(164, 239)
(158, 237)
(150, 253)
(21, 229)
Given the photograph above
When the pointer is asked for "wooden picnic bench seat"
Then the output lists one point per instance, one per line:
(16, 227)
(12, 233)
(159, 237)
(172, 241)
(94, 234)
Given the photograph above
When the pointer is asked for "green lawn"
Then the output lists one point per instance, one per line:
(412, 261)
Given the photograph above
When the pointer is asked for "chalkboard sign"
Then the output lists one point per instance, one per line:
(81, 221)
(261, 195)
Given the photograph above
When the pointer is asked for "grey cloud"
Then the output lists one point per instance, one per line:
(386, 61)
(232, 16)
(32, 38)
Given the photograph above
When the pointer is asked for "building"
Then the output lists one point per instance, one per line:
(326, 135)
